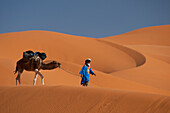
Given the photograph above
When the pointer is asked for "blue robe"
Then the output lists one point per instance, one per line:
(85, 74)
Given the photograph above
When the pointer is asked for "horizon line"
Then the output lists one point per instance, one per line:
(84, 35)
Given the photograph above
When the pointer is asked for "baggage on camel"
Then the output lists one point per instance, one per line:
(41, 55)
(28, 54)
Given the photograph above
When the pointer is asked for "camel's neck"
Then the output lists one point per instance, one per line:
(49, 66)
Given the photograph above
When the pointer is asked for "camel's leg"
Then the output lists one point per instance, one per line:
(18, 78)
(35, 78)
(42, 77)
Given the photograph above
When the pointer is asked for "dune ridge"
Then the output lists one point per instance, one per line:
(138, 57)
(155, 35)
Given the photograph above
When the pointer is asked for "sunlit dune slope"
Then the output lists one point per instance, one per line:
(65, 99)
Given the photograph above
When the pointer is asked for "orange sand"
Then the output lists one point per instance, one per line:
(133, 73)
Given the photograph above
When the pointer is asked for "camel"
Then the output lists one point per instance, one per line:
(34, 64)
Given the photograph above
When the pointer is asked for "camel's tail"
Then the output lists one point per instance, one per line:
(16, 70)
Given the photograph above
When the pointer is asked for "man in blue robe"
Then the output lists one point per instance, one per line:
(85, 73)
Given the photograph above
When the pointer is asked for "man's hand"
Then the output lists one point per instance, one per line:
(94, 74)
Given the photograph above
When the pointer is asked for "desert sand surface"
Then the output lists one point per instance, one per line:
(133, 73)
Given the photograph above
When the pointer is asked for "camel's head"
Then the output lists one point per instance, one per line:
(56, 64)
(59, 65)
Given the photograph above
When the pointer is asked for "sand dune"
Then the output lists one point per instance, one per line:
(133, 72)
(155, 51)
(155, 72)
(156, 35)
(152, 74)
(66, 99)
(65, 48)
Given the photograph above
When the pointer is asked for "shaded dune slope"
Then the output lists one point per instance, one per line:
(156, 51)
(138, 57)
